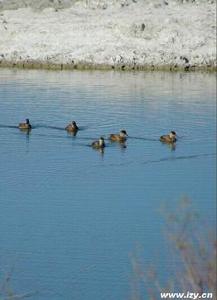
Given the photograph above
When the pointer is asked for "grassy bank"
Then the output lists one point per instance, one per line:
(87, 66)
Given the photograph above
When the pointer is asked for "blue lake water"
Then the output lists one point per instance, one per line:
(70, 216)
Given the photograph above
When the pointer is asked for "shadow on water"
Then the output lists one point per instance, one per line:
(27, 134)
(149, 139)
(120, 145)
(164, 159)
(179, 158)
(33, 127)
(8, 126)
(50, 127)
(100, 151)
(143, 139)
(72, 134)
(171, 146)
(81, 128)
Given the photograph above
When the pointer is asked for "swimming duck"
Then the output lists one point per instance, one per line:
(100, 144)
(72, 127)
(120, 137)
(169, 138)
(25, 126)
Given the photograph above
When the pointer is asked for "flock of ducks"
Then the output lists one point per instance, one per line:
(120, 137)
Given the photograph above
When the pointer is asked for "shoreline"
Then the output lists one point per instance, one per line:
(82, 66)
(141, 36)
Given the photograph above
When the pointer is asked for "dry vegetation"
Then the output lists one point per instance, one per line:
(194, 249)
(6, 290)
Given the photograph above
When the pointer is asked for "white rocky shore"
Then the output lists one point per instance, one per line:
(135, 34)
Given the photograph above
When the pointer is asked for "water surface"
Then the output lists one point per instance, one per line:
(70, 216)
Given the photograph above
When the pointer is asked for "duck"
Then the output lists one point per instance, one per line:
(120, 137)
(25, 126)
(72, 127)
(100, 144)
(169, 138)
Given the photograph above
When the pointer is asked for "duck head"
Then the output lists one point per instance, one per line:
(123, 133)
(172, 134)
(101, 141)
